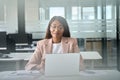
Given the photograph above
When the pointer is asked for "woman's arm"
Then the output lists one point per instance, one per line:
(35, 60)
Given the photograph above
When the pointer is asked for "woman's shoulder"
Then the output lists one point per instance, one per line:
(70, 38)
(43, 41)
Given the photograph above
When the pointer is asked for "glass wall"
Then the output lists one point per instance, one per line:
(118, 32)
(92, 22)
(8, 16)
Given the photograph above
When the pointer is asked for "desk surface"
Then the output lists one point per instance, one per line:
(24, 56)
(90, 55)
(86, 75)
(11, 59)
(17, 57)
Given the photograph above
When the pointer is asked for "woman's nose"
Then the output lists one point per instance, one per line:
(57, 29)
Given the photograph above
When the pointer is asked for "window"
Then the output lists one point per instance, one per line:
(57, 11)
(88, 13)
(76, 13)
(109, 12)
(1, 11)
(42, 14)
(99, 12)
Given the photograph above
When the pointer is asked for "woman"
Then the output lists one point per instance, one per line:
(57, 40)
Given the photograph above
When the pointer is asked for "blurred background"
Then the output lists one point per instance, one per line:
(95, 24)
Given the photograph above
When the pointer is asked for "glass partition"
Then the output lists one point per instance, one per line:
(92, 22)
(8, 16)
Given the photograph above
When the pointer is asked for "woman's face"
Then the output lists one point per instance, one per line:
(56, 29)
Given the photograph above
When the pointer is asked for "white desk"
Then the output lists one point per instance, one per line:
(18, 61)
(90, 55)
(18, 58)
(98, 75)
(24, 56)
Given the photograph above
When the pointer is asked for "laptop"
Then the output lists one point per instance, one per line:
(62, 64)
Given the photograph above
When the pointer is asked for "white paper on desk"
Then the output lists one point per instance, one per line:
(23, 72)
(92, 73)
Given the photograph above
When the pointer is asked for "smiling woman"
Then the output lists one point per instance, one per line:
(57, 40)
(57, 28)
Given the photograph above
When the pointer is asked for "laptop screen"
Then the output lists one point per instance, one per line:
(62, 64)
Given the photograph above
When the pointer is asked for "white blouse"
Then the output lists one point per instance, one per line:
(57, 48)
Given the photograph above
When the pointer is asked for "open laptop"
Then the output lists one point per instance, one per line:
(62, 64)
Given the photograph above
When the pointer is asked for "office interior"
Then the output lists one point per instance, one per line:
(95, 24)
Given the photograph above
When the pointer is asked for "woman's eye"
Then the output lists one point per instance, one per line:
(54, 26)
